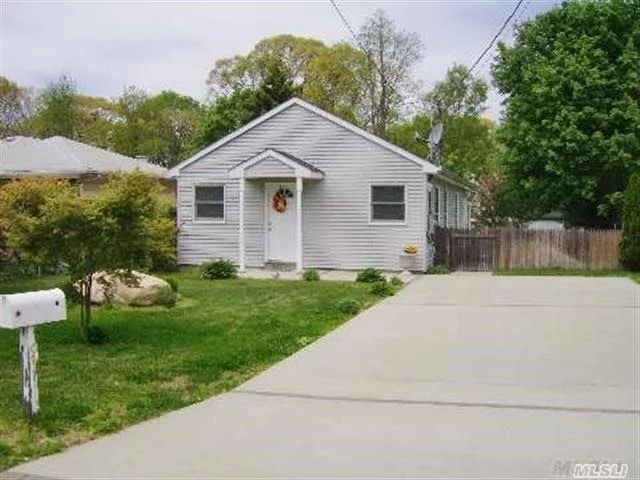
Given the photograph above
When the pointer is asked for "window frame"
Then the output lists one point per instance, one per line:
(436, 205)
(445, 207)
(197, 219)
(373, 221)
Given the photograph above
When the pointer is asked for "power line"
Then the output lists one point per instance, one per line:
(493, 40)
(344, 20)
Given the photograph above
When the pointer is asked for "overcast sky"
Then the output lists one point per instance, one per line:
(105, 45)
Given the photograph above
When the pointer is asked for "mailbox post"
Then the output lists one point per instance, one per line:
(23, 311)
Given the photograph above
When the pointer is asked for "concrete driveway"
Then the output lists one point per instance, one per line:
(458, 376)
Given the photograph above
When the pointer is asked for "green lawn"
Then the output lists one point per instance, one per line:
(569, 273)
(157, 360)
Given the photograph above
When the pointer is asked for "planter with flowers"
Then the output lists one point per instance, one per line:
(409, 258)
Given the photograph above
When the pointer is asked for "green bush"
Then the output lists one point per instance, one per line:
(71, 295)
(438, 270)
(630, 244)
(370, 275)
(311, 275)
(167, 297)
(96, 335)
(396, 281)
(382, 289)
(219, 270)
(173, 283)
(349, 306)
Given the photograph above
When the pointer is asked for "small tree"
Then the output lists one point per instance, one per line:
(630, 246)
(123, 227)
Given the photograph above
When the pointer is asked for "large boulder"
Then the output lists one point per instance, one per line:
(129, 288)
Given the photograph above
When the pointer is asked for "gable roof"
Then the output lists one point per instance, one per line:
(428, 167)
(65, 158)
(306, 170)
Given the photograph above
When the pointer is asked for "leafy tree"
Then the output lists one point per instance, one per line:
(333, 81)
(412, 135)
(160, 127)
(458, 95)
(275, 88)
(16, 107)
(226, 115)
(231, 112)
(572, 123)
(56, 110)
(391, 55)
(293, 53)
(630, 245)
(123, 227)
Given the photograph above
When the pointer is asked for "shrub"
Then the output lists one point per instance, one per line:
(438, 270)
(167, 297)
(96, 335)
(349, 306)
(396, 281)
(630, 244)
(381, 289)
(173, 283)
(219, 270)
(311, 275)
(370, 275)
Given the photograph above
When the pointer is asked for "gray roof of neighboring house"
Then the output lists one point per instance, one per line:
(63, 157)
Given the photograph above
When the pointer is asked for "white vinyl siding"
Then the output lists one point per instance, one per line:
(337, 232)
(388, 203)
(209, 202)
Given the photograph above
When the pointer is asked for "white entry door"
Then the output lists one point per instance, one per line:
(281, 225)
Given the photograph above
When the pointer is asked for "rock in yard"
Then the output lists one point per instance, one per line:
(129, 288)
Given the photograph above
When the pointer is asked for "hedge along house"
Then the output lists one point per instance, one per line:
(301, 187)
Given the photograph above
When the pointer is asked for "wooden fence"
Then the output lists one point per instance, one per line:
(513, 248)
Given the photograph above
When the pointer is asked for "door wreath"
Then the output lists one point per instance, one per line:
(279, 199)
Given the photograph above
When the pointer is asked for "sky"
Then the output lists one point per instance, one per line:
(158, 45)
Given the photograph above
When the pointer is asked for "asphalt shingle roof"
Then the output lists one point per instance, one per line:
(65, 158)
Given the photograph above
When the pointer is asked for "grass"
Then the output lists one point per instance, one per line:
(220, 334)
(568, 273)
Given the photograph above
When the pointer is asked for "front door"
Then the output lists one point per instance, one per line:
(281, 221)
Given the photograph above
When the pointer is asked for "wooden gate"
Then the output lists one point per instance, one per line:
(471, 252)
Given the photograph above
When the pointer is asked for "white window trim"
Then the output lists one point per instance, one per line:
(219, 221)
(389, 222)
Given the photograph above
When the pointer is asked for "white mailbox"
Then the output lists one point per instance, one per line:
(32, 308)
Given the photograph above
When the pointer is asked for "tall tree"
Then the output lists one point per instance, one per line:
(294, 54)
(56, 110)
(391, 55)
(333, 81)
(458, 95)
(572, 123)
(16, 107)
(160, 127)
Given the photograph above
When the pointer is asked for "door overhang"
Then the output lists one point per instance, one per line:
(275, 164)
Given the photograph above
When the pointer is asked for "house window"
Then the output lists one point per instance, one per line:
(387, 203)
(436, 206)
(456, 211)
(445, 208)
(209, 202)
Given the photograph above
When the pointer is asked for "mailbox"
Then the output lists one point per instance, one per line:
(32, 308)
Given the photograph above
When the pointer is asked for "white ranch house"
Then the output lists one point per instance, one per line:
(302, 187)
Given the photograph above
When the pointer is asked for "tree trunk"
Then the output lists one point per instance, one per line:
(85, 309)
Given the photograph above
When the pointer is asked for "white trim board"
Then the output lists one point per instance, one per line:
(428, 167)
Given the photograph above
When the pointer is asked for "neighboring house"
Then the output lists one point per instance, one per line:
(551, 221)
(65, 158)
(302, 187)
